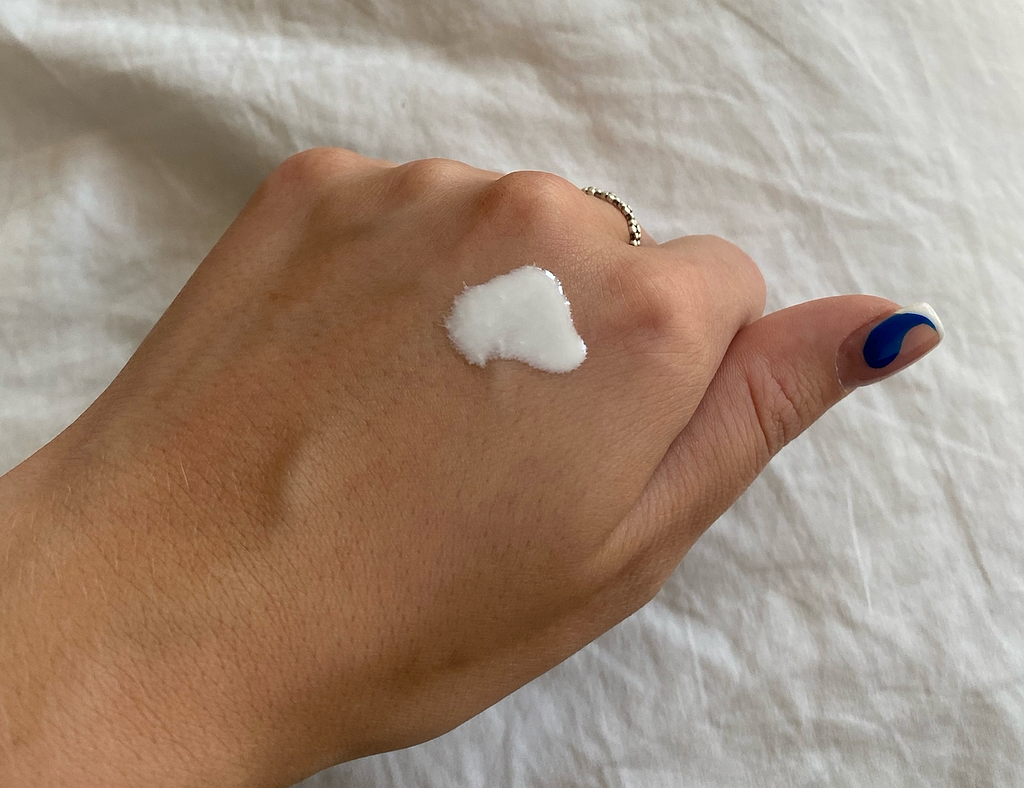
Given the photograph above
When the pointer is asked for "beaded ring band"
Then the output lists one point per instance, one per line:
(625, 210)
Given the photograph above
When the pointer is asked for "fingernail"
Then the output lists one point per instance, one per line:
(887, 345)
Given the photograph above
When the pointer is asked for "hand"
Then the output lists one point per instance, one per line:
(300, 528)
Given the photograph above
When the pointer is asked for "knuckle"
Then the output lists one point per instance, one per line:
(314, 167)
(527, 204)
(778, 398)
(304, 177)
(724, 251)
(716, 251)
(424, 178)
(749, 274)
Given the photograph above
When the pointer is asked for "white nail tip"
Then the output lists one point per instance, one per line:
(925, 310)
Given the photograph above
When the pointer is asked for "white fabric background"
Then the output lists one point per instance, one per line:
(856, 619)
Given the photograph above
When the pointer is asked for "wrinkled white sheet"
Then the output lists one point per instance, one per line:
(856, 619)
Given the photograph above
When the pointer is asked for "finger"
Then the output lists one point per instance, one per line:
(780, 375)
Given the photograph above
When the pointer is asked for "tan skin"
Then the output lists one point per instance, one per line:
(299, 528)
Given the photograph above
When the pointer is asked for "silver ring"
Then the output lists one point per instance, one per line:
(625, 210)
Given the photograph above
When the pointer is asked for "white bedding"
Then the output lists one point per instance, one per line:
(856, 619)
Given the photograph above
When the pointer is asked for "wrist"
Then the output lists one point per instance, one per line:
(91, 687)
(37, 656)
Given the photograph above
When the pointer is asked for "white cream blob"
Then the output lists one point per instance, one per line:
(521, 315)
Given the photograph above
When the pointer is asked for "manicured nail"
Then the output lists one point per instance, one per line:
(887, 345)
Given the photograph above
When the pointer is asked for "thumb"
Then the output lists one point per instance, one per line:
(780, 374)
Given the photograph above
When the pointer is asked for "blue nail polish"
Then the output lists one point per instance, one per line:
(885, 341)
